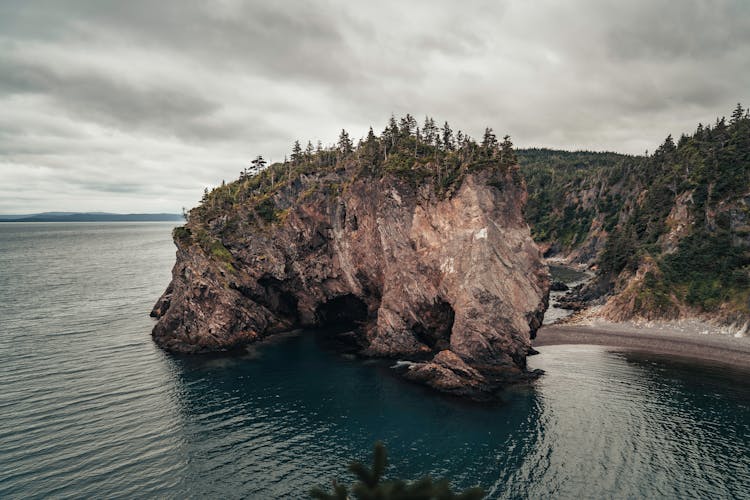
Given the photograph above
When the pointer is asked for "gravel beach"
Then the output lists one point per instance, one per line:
(715, 347)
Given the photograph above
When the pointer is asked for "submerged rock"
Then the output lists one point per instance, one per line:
(451, 276)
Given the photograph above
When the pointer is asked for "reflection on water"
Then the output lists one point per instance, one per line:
(641, 424)
(91, 408)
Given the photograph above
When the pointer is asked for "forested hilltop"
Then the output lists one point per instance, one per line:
(427, 154)
(414, 242)
(668, 233)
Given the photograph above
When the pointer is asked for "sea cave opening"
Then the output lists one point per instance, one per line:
(343, 313)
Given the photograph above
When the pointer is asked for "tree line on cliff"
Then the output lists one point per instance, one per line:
(679, 217)
(404, 149)
(402, 140)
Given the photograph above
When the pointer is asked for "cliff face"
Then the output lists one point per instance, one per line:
(453, 280)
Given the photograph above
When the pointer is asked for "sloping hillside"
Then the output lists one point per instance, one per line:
(668, 234)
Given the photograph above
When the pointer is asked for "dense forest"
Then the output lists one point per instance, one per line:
(569, 191)
(669, 232)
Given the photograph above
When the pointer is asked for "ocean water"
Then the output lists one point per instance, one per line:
(89, 407)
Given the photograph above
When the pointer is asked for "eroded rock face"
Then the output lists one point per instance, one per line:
(456, 278)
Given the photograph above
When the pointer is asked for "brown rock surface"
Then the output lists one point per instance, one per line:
(418, 274)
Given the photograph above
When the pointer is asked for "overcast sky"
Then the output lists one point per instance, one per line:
(136, 106)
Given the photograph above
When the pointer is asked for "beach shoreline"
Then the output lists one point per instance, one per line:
(717, 348)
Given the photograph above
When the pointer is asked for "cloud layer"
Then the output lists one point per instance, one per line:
(138, 105)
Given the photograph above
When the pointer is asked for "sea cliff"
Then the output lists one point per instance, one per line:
(425, 261)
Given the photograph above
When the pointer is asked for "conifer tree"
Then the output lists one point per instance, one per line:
(345, 145)
(371, 150)
(319, 153)
(489, 142)
(392, 126)
(296, 153)
(737, 114)
(407, 125)
(668, 147)
(429, 130)
(448, 140)
(507, 155)
(257, 165)
(309, 150)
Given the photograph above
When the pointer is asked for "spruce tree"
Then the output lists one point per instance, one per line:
(737, 114)
(296, 153)
(668, 147)
(407, 125)
(257, 165)
(507, 154)
(448, 140)
(430, 131)
(489, 142)
(370, 151)
(345, 145)
(309, 150)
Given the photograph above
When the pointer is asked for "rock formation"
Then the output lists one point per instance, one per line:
(448, 278)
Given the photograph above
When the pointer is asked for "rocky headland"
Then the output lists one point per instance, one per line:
(426, 257)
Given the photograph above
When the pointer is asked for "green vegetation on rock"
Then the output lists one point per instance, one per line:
(682, 211)
(264, 195)
(415, 154)
(558, 180)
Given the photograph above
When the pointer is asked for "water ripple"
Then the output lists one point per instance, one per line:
(90, 408)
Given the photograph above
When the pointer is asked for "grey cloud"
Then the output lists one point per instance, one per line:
(104, 98)
(142, 104)
(691, 29)
(287, 39)
(110, 187)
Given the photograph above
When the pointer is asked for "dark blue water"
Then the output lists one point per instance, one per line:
(90, 408)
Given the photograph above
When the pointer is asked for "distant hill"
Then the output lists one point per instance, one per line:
(90, 217)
